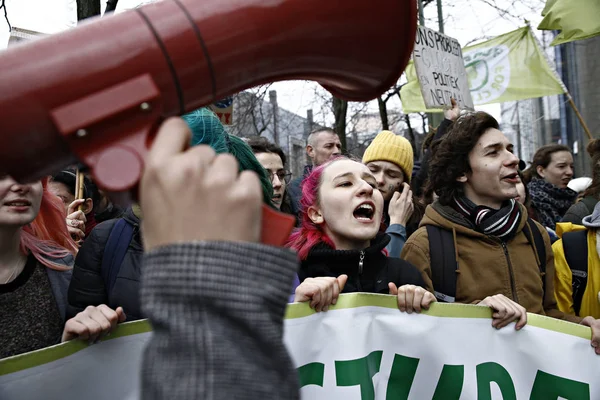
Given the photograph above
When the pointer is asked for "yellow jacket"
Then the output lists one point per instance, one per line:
(563, 283)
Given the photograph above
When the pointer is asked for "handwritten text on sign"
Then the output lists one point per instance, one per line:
(441, 69)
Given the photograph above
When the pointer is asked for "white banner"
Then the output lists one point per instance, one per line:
(441, 70)
(362, 348)
(367, 349)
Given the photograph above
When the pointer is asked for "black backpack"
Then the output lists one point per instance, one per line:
(443, 259)
(575, 247)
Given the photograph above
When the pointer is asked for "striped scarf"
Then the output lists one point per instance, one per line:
(502, 223)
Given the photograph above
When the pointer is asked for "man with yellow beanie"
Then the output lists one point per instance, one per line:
(390, 159)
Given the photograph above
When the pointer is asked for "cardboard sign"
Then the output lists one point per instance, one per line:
(441, 70)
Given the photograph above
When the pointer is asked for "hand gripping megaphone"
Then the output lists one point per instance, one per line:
(96, 94)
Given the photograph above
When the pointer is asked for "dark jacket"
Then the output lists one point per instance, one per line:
(112, 212)
(377, 269)
(87, 285)
(295, 190)
(578, 211)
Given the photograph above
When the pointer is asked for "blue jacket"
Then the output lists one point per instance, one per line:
(295, 189)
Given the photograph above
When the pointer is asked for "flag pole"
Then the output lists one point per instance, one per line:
(579, 116)
(564, 87)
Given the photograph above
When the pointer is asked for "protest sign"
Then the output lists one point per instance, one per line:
(440, 69)
(509, 67)
(362, 348)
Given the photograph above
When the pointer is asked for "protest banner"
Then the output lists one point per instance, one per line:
(362, 348)
(440, 69)
(508, 67)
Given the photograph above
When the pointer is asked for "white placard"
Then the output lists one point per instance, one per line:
(441, 70)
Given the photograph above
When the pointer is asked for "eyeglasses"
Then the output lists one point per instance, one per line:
(281, 174)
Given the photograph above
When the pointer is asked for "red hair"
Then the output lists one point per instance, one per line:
(47, 237)
(309, 234)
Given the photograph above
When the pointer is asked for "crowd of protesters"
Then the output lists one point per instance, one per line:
(514, 238)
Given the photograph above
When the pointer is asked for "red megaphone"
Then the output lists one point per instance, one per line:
(95, 94)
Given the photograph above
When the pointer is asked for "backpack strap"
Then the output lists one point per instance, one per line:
(575, 247)
(114, 252)
(443, 263)
(534, 237)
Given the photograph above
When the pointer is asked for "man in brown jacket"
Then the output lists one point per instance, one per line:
(474, 172)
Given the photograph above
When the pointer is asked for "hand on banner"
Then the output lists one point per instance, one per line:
(595, 325)
(505, 311)
(453, 113)
(76, 221)
(204, 193)
(93, 323)
(322, 291)
(411, 298)
(401, 206)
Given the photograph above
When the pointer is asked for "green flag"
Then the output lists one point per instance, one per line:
(507, 68)
(576, 19)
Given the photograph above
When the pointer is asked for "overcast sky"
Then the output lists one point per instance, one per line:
(465, 20)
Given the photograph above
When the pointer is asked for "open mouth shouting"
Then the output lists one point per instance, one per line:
(364, 212)
(512, 178)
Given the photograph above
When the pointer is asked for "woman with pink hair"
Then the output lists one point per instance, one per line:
(36, 256)
(340, 245)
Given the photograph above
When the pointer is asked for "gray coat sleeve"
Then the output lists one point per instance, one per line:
(576, 213)
(217, 313)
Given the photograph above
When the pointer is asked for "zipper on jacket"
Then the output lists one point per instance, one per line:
(511, 273)
(361, 263)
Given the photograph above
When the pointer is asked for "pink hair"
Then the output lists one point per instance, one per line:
(309, 234)
(47, 237)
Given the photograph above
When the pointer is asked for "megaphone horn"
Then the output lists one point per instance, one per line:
(96, 93)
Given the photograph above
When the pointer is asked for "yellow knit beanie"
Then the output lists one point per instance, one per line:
(388, 146)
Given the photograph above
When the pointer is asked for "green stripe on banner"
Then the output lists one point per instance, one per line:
(49, 354)
(443, 310)
(296, 310)
(356, 300)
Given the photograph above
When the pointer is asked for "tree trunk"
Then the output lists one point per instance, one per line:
(87, 9)
(111, 6)
(383, 114)
(340, 110)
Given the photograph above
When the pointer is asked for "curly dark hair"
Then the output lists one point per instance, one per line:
(450, 154)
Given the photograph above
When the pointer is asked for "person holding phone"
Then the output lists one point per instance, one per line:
(390, 159)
